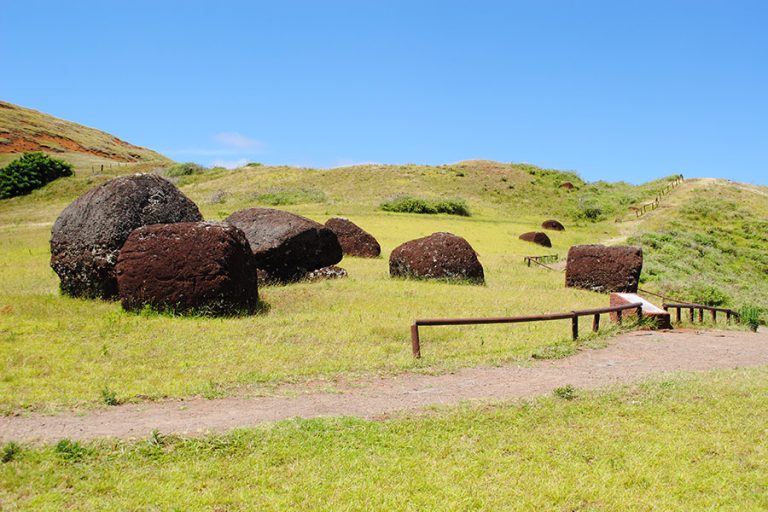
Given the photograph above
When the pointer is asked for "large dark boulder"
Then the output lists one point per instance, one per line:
(537, 237)
(439, 255)
(354, 240)
(604, 269)
(553, 225)
(286, 246)
(87, 237)
(203, 267)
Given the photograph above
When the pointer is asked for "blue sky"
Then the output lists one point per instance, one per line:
(613, 90)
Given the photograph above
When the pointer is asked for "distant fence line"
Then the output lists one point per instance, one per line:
(648, 207)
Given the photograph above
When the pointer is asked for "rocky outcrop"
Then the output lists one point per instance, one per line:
(354, 240)
(437, 256)
(199, 267)
(537, 237)
(87, 237)
(286, 246)
(604, 269)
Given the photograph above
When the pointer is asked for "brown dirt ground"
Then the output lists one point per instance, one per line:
(628, 358)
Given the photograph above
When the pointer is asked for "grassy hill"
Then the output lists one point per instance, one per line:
(23, 129)
(624, 448)
(706, 242)
(710, 246)
(357, 325)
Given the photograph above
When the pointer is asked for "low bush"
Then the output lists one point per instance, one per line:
(185, 169)
(567, 392)
(70, 450)
(9, 452)
(409, 204)
(30, 172)
(751, 316)
(707, 295)
(280, 197)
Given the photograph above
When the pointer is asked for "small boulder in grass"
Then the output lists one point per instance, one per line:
(567, 185)
(553, 225)
(537, 237)
(286, 246)
(604, 269)
(198, 267)
(354, 240)
(437, 256)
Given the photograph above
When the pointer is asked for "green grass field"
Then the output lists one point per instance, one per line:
(688, 442)
(58, 352)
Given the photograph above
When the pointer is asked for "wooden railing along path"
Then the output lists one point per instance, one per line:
(645, 208)
(692, 308)
(572, 315)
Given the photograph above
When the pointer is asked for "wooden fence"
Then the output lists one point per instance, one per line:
(572, 315)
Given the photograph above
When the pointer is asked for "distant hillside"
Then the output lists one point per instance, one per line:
(710, 245)
(489, 188)
(23, 129)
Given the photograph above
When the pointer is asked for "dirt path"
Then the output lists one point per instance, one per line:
(628, 358)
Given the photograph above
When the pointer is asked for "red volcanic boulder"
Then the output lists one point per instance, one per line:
(284, 245)
(353, 239)
(567, 185)
(439, 255)
(87, 237)
(604, 269)
(191, 266)
(537, 237)
(553, 225)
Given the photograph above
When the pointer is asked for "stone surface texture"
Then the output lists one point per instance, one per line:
(438, 256)
(200, 267)
(604, 269)
(86, 238)
(284, 245)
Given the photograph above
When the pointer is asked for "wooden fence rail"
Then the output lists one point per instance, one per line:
(572, 315)
(645, 208)
(693, 308)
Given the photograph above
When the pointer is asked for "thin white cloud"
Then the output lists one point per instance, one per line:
(231, 144)
(238, 140)
(346, 162)
(230, 164)
(202, 152)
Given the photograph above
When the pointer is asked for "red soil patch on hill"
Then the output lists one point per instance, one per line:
(50, 143)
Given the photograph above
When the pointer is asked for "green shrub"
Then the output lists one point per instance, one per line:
(109, 397)
(70, 450)
(409, 204)
(567, 392)
(185, 169)
(9, 452)
(30, 172)
(280, 196)
(707, 295)
(751, 316)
